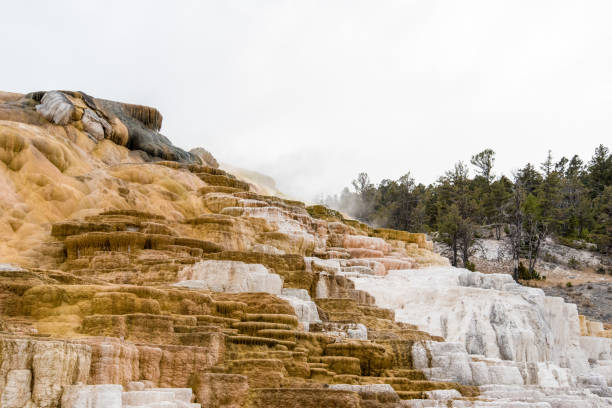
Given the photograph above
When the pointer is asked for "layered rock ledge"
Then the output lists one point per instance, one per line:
(132, 281)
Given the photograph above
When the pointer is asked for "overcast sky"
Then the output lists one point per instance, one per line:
(313, 92)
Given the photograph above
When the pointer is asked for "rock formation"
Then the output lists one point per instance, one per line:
(128, 282)
(135, 126)
(205, 156)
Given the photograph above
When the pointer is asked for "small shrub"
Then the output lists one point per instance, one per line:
(522, 270)
(601, 270)
(573, 263)
(569, 284)
(524, 274)
(470, 266)
(589, 287)
(571, 242)
(548, 257)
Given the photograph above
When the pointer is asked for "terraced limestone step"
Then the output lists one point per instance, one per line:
(223, 180)
(373, 358)
(113, 396)
(406, 373)
(322, 375)
(416, 395)
(303, 398)
(290, 320)
(252, 327)
(338, 364)
(261, 372)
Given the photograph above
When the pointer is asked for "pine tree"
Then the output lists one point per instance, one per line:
(484, 162)
(599, 170)
(457, 226)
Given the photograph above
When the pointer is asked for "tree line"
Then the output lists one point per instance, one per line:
(568, 199)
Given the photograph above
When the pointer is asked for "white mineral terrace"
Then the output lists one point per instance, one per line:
(522, 347)
(230, 277)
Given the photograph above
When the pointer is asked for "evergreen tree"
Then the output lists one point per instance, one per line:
(567, 200)
(602, 233)
(529, 178)
(599, 170)
(574, 167)
(484, 162)
(457, 208)
(497, 202)
(548, 194)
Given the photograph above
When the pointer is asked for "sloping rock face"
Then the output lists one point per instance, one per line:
(134, 126)
(498, 333)
(205, 156)
(129, 283)
(490, 315)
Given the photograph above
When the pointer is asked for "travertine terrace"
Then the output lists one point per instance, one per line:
(135, 274)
